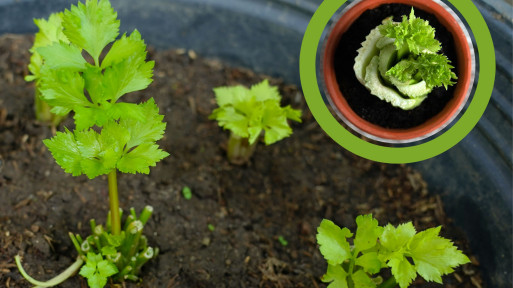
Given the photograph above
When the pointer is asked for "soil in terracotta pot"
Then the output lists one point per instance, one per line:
(370, 107)
(286, 189)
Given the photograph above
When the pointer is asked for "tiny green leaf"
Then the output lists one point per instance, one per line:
(97, 270)
(367, 232)
(336, 275)
(332, 242)
(283, 241)
(187, 193)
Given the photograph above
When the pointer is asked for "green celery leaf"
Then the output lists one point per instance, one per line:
(403, 271)
(107, 268)
(61, 55)
(87, 117)
(141, 158)
(226, 96)
(148, 131)
(413, 33)
(229, 118)
(274, 121)
(292, 114)
(432, 68)
(91, 26)
(263, 91)
(362, 280)
(50, 31)
(394, 238)
(435, 256)
(63, 88)
(332, 241)
(65, 150)
(369, 262)
(336, 275)
(367, 232)
(131, 74)
(109, 250)
(97, 270)
(123, 48)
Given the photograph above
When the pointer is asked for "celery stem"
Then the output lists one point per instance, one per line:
(114, 203)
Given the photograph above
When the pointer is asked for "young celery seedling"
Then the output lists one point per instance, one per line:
(108, 136)
(403, 250)
(248, 113)
(398, 62)
(50, 32)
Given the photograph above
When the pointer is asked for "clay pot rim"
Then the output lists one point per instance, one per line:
(433, 125)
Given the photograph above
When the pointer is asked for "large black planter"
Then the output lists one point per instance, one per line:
(474, 178)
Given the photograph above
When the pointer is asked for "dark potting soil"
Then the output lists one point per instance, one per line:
(286, 189)
(368, 106)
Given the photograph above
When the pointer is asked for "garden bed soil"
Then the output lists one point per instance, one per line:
(370, 107)
(285, 190)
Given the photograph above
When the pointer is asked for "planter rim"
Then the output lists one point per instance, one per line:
(433, 125)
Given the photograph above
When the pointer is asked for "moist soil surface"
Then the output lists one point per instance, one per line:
(285, 190)
(370, 107)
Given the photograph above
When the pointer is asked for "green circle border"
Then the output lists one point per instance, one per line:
(396, 155)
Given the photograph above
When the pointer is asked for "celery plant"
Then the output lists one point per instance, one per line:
(249, 113)
(403, 250)
(109, 135)
(50, 31)
(398, 62)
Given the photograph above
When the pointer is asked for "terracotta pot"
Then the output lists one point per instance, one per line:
(465, 71)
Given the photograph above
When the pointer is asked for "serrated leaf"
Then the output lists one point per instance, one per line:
(141, 158)
(50, 31)
(148, 131)
(226, 96)
(263, 91)
(63, 88)
(91, 26)
(94, 84)
(403, 271)
(109, 250)
(367, 232)
(132, 74)
(332, 242)
(97, 270)
(336, 275)
(434, 256)
(369, 262)
(64, 149)
(413, 33)
(62, 56)
(394, 238)
(123, 48)
(362, 280)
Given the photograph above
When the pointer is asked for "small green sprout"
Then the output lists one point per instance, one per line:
(187, 193)
(211, 227)
(249, 113)
(50, 32)
(403, 250)
(283, 241)
(109, 135)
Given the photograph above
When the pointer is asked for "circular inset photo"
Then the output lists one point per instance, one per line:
(398, 71)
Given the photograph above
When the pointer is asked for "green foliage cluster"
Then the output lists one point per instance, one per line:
(118, 256)
(403, 250)
(415, 42)
(74, 78)
(249, 112)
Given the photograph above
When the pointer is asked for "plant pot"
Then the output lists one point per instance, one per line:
(464, 69)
